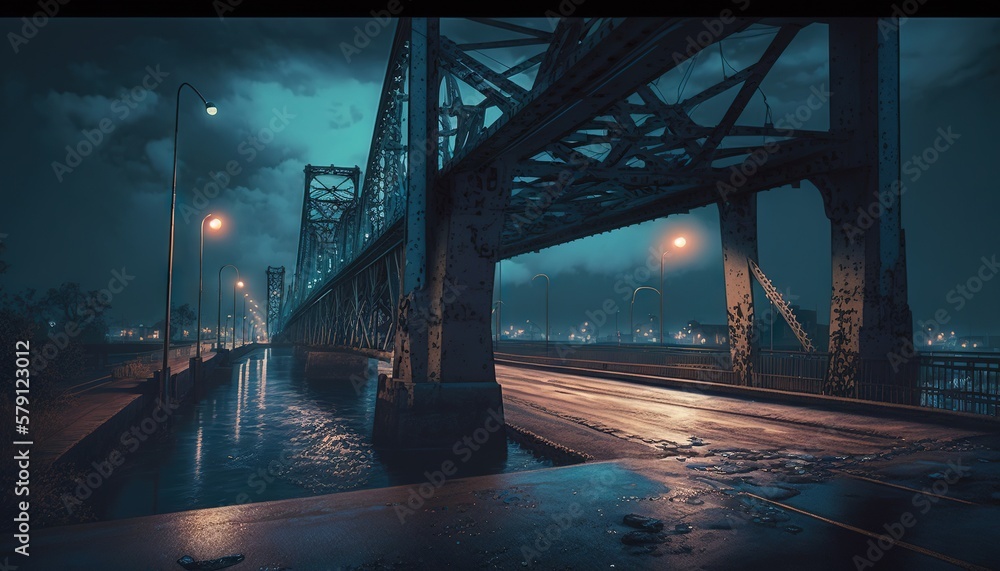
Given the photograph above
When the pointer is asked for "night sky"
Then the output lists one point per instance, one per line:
(288, 97)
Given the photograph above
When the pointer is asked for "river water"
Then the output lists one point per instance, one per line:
(268, 433)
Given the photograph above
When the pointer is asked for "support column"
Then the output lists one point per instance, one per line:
(738, 220)
(444, 385)
(871, 326)
(443, 390)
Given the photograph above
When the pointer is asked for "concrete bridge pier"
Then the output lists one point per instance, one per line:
(871, 327)
(738, 221)
(443, 387)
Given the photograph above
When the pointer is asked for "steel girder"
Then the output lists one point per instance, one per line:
(594, 142)
(275, 291)
(327, 226)
(358, 310)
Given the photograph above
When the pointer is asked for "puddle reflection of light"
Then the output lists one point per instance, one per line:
(239, 403)
(197, 450)
(263, 382)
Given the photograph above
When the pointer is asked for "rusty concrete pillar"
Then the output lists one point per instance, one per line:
(738, 221)
(871, 327)
(443, 389)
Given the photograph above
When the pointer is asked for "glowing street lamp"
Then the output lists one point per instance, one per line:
(243, 322)
(218, 325)
(546, 309)
(496, 306)
(238, 284)
(215, 224)
(165, 371)
(679, 242)
(631, 322)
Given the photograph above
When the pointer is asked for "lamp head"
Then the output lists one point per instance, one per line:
(239, 284)
(215, 224)
(210, 108)
(680, 241)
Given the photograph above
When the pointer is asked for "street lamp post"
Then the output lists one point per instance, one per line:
(165, 370)
(235, 285)
(631, 323)
(679, 242)
(546, 309)
(243, 322)
(215, 224)
(496, 309)
(218, 324)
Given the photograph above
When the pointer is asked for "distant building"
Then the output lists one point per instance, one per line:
(777, 335)
(784, 339)
(702, 334)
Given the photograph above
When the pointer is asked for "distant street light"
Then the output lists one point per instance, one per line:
(631, 323)
(243, 323)
(165, 371)
(218, 325)
(238, 284)
(679, 242)
(546, 309)
(215, 224)
(496, 306)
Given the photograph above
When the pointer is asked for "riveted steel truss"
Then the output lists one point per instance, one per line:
(604, 123)
(328, 226)
(580, 112)
(275, 293)
(357, 310)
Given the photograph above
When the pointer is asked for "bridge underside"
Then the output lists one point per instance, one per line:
(446, 196)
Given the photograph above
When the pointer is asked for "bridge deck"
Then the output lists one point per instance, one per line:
(794, 487)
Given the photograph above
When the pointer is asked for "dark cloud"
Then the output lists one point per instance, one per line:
(288, 96)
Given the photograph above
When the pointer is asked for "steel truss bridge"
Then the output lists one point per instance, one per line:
(495, 138)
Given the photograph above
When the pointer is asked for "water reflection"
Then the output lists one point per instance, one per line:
(273, 434)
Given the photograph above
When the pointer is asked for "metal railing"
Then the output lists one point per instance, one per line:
(153, 360)
(965, 382)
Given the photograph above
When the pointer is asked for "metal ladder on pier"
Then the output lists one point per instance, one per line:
(784, 308)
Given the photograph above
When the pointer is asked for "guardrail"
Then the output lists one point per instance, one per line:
(145, 363)
(966, 382)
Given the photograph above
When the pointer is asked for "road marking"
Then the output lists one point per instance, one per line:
(875, 536)
(901, 487)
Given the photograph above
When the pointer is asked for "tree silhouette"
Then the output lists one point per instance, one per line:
(180, 318)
